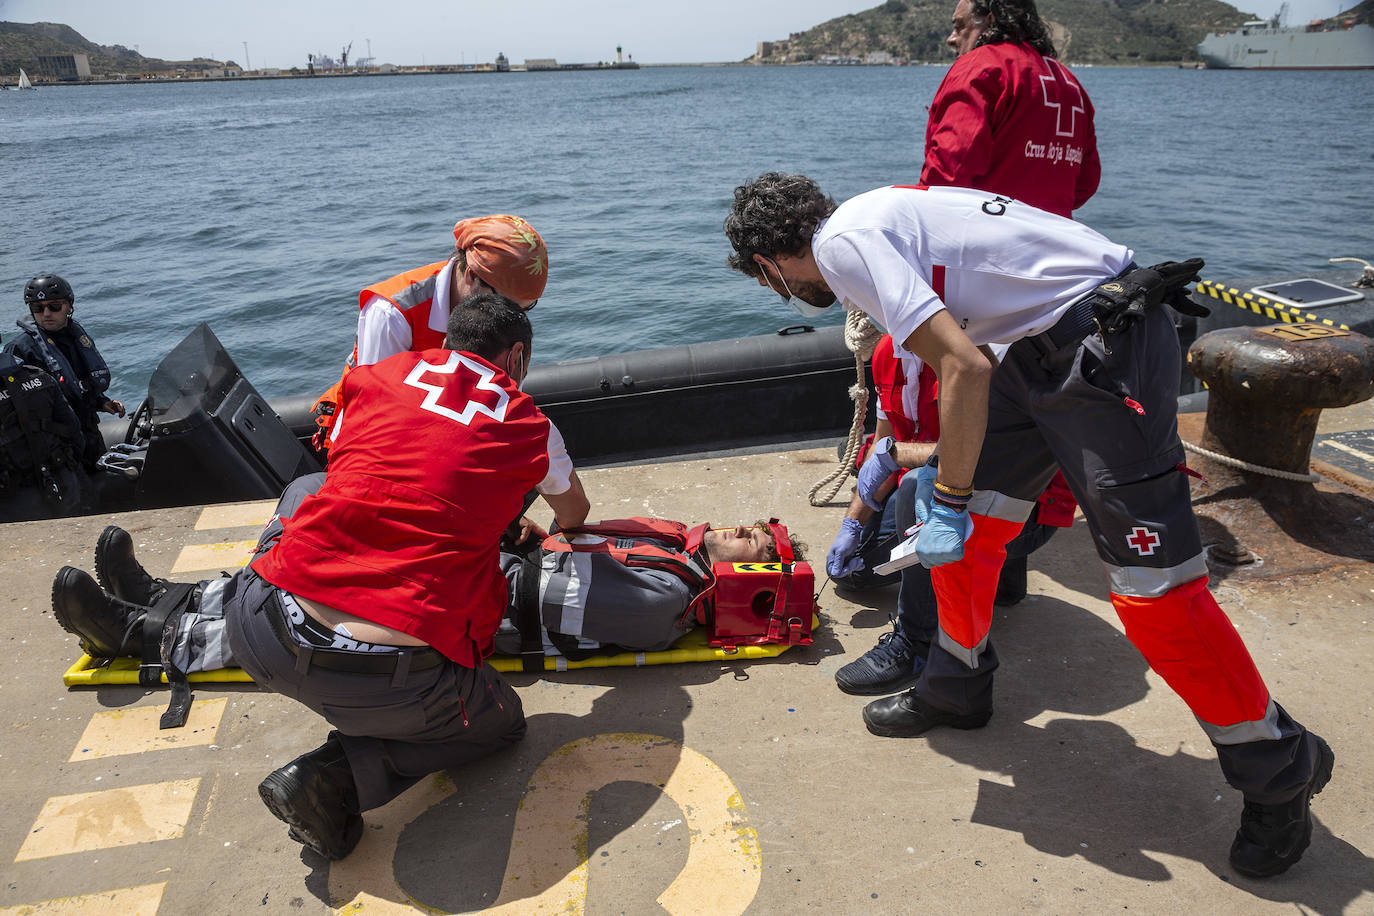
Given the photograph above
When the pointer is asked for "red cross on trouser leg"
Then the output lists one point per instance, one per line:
(1143, 541)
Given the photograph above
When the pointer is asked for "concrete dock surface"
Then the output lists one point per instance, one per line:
(711, 788)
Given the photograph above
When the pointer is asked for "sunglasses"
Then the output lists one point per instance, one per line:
(39, 308)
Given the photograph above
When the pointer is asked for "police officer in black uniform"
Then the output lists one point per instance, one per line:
(55, 343)
(40, 446)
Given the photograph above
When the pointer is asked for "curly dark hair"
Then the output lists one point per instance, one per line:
(799, 547)
(1014, 20)
(774, 214)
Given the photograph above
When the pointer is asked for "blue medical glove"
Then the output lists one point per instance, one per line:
(925, 491)
(877, 468)
(942, 536)
(842, 558)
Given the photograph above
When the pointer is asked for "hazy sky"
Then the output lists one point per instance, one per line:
(280, 33)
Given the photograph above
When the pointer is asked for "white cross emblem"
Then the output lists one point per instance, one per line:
(1048, 83)
(485, 375)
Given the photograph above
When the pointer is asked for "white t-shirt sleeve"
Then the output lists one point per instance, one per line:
(382, 332)
(865, 268)
(559, 478)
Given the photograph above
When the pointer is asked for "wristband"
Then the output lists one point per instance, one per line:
(946, 489)
(957, 503)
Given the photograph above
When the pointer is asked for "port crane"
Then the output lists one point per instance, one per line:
(343, 55)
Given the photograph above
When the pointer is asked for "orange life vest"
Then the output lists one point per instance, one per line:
(412, 293)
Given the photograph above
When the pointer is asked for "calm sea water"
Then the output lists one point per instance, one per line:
(264, 207)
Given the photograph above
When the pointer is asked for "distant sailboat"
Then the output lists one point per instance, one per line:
(24, 80)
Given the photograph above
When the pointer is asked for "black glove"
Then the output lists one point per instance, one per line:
(1119, 303)
(1176, 277)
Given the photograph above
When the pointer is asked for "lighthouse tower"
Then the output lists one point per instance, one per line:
(618, 58)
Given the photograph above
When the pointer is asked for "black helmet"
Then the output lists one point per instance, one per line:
(47, 287)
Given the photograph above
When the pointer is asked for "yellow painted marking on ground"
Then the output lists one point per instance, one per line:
(115, 817)
(115, 732)
(200, 557)
(235, 515)
(130, 901)
(547, 869)
(371, 864)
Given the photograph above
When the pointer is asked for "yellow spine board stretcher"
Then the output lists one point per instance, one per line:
(1274, 311)
(693, 647)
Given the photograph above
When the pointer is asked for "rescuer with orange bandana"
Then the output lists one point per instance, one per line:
(499, 254)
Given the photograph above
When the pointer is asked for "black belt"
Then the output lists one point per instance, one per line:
(1075, 324)
(421, 658)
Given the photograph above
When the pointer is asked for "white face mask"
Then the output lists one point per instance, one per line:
(801, 307)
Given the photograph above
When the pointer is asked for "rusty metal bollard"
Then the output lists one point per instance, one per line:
(1268, 386)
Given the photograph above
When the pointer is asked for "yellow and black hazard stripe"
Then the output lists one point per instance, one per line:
(1274, 311)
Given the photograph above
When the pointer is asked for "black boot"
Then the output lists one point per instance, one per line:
(907, 715)
(315, 796)
(119, 573)
(1273, 837)
(106, 625)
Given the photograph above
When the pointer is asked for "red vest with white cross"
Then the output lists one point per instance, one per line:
(432, 456)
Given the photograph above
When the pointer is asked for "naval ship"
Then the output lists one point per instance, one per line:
(1266, 44)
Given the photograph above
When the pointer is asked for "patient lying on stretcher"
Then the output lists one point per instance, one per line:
(629, 584)
(632, 584)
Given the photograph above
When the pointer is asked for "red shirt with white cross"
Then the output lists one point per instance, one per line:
(433, 454)
(1008, 119)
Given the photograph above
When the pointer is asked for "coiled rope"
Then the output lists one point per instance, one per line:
(1247, 466)
(861, 336)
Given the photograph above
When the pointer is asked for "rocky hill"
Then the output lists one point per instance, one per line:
(21, 43)
(1362, 13)
(1085, 31)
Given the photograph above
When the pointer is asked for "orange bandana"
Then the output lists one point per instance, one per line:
(506, 253)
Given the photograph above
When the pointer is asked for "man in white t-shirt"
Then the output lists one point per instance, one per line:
(1088, 382)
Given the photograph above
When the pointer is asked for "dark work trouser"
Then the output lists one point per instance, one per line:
(395, 729)
(918, 617)
(1106, 414)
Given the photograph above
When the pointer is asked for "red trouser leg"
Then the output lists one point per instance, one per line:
(1189, 641)
(965, 590)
